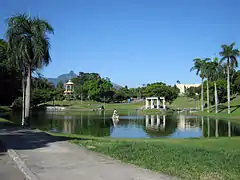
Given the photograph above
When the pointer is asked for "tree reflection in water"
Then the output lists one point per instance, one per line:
(132, 125)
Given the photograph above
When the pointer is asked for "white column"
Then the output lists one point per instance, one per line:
(152, 121)
(158, 103)
(152, 104)
(146, 105)
(147, 120)
(164, 121)
(164, 107)
(158, 120)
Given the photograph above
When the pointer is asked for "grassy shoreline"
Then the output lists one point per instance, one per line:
(222, 116)
(192, 158)
(203, 158)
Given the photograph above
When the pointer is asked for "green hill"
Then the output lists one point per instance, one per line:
(185, 102)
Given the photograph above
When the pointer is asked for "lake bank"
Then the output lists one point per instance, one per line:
(184, 158)
(194, 158)
(223, 116)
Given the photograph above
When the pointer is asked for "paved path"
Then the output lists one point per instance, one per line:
(52, 158)
(8, 169)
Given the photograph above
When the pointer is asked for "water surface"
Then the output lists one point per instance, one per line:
(133, 125)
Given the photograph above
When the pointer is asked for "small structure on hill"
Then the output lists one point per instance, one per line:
(152, 104)
(183, 87)
(69, 88)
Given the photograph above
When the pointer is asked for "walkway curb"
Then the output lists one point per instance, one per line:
(21, 165)
(29, 175)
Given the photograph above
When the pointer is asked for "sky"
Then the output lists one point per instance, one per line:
(133, 42)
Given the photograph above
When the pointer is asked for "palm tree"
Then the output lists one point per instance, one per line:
(200, 67)
(229, 56)
(214, 71)
(29, 46)
(207, 71)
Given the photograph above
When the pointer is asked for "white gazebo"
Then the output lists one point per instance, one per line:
(152, 102)
(69, 87)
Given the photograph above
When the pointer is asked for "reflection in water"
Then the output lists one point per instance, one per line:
(131, 125)
(155, 123)
(229, 128)
(208, 122)
(216, 128)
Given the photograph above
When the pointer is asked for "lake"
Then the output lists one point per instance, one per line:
(132, 125)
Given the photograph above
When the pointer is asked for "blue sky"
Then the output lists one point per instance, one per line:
(133, 42)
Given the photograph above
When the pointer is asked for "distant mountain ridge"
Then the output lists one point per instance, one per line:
(70, 75)
(63, 78)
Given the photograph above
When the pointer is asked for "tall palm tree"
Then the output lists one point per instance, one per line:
(214, 71)
(207, 71)
(229, 57)
(200, 67)
(29, 44)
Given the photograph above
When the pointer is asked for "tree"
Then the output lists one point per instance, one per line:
(200, 67)
(92, 86)
(29, 44)
(229, 57)
(9, 77)
(213, 74)
(160, 89)
(60, 85)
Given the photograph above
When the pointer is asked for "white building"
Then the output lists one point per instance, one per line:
(184, 87)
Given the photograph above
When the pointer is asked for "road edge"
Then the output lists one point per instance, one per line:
(29, 175)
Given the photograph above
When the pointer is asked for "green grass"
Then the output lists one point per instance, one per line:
(185, 158)
(90, 105)
(5, 109)
(5, 123)
(235, 111)
(2, 120)
(185, 102)
(208, 159)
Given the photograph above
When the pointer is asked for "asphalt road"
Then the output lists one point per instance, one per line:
(8, 169)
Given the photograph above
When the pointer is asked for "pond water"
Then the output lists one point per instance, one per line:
(132, 125)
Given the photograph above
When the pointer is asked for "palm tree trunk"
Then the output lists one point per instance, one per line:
(228, 89)
(216, 97)
(202, 101)
(207, 97)
(28, 93)
(23, 97)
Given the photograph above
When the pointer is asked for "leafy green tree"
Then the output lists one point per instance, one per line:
(193, 92)
(60, 85)
(42, 91)
(160, 89)
(92, 86)
(9, 77)
(200, 67)
(236, 82)
(28, 41)
(229, 56)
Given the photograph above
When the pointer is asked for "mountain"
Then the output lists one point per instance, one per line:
(63, 78)
(70, 75)
(116, 86)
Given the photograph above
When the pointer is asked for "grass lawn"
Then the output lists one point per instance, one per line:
(4, 109)
(208, 159)
(185, 102)
(90, 105)
(235, 111)
(2, 120)
(5, 123)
